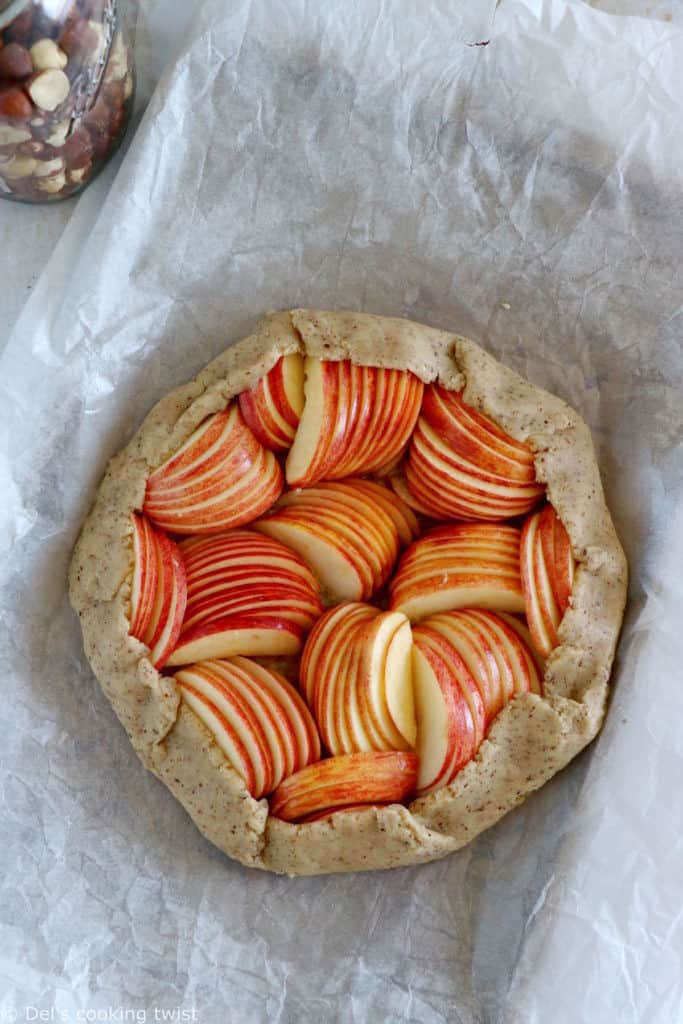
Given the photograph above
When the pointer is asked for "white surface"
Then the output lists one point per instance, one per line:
(28, 235)
(525, 193)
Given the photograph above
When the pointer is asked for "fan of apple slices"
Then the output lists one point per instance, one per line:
(383, 536)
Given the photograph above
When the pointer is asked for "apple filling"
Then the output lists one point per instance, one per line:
(385, 539)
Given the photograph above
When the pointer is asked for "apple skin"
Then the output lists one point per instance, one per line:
(348, 532)
(256, 717)
(467, 665)
(356, 420)
(159, 591)
(222, 477)
(355, 675)
(373, 777)
(246, 595)
(272, 408)
(145, 575)
(321, 815)
(446, 738)
(547, 571)
(457, 566)
(461, 465)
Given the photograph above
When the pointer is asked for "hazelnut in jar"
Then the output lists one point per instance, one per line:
(66, 91)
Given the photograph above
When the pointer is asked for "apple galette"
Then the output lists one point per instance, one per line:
(354, 592)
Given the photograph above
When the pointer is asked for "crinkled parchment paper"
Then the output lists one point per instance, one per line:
(366, 156)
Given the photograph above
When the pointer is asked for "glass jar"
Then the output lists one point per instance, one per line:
(66, 91)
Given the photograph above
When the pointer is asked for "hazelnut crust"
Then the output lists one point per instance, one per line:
(531, 739)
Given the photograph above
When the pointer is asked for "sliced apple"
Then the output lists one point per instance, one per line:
(356, 676)
(318, 424)
(461, 465)
(328, 813)
(145, 575)
(547, 569)
(374, 777)
(247, 595)
(159, 590)
(398, 683)
(272, 408)
(400, 488)
(325, 670)
(464, 565)
(445, 730)
(467, 665)
(475, 436)
(485, 661)
(257, 718)
(355, 420)
(432, 637)
(396, 400)
(400, 512)
(349, 533)
(220, 478)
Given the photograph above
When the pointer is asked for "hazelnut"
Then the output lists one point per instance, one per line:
(18, 167)
(113, 93)
(78, 148)
(78, 174)
(49, 89)
(59, 133)
(20, 28)
(15, 61)
(10, 136)
(14, 103)
(32, 148)
(53, 184)
(46, 54)
(80, 37)
(44, 168)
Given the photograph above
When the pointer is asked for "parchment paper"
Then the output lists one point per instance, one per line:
(525, 193)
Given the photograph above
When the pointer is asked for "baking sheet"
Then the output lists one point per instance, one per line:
(525, 193)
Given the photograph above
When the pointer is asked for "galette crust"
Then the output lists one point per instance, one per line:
(530, 740)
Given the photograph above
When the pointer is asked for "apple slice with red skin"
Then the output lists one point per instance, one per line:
(356, 676)
(399, 485)
(547, 570)
(221, 477)
(475, 437)
(400, 512)
(159, 590)
(461, 465)
(445, 730)
(272, 408)
(458, 566)
(373, 777)
(318, 424)
(321, 815)
(256, 717)
(467, 664)
(348, 533)
(145, 575)
(324, 671)
(355, 420)
(386, 430)
(451, 487)
(247, 595)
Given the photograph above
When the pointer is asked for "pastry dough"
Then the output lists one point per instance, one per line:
(530, 740)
